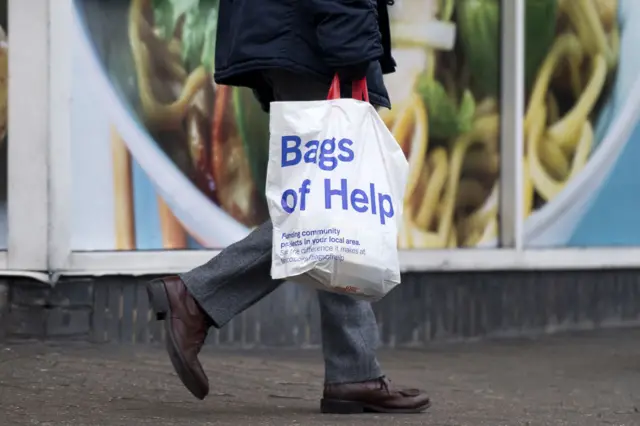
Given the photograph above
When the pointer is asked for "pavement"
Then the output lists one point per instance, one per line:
(584, 379)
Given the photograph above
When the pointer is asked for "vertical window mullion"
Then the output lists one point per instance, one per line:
(512, 113)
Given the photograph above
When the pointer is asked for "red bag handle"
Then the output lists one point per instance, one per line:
(359, 89)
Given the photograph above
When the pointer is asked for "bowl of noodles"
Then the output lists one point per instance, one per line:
(582, 102)
(599, 36)
(205, 146)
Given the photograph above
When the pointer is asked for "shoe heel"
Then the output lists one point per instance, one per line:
(336, 406)
(158, 299)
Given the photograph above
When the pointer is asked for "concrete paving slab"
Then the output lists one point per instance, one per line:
(586, 379)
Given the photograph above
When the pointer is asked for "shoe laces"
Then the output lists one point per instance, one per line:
(385, 384)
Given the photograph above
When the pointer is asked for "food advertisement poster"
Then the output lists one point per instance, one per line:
(163, 158)
(581, 128)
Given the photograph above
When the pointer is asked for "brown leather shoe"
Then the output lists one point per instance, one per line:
(376, 396)
(186, 328)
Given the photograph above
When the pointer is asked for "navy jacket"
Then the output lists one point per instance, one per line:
(315, 37)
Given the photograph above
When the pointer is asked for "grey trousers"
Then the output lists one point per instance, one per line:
(240, 276)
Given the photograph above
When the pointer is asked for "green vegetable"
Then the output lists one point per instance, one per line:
(447, 119)
(166, 14)
(446, 9)
(540, 31)
(479, 30)
(109, 28)
(200, 19)
(253, 127)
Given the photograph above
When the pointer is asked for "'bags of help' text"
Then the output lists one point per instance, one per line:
(335, 185)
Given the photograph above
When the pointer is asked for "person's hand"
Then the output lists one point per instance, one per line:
(353, 72)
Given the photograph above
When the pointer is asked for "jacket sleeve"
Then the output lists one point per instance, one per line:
(347, 31)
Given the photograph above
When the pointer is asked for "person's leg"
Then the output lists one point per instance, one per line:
(210, 295)
(354, 382)
(349, 329)
(349, 339)
(236, 278)
(239, 276)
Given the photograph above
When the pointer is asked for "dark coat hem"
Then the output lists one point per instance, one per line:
(243, 74)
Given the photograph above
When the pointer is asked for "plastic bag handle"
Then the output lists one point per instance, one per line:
(359, 89)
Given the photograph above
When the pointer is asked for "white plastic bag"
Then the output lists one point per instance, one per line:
(335, 184)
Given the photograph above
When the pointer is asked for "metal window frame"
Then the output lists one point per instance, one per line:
(171, 262)
(28, 156)
(60, 179)
(511, 124)
(56, 250)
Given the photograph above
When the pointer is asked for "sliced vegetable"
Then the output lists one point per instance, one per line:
(236, 192)
(199, 21)
(166, 14)
(253, 126)
(198, 34)
(479, 29)
(447, 119)
(446, 9)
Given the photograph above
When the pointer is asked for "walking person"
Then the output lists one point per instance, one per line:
(289, 50)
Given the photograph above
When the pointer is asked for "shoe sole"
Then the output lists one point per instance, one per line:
(159, 300)
(337, 406)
